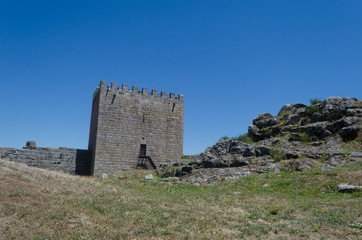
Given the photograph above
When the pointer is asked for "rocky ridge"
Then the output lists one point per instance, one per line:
(325, 135)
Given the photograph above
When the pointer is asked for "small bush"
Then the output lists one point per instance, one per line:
(224, 138)
(295, 137)
(274, 210)
(276, 154)
(243, 138)
(265, 129)
(314, 101)
(304, 137)
(311, 110)
(284, 114)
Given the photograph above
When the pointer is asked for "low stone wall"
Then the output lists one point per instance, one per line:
(69, 160)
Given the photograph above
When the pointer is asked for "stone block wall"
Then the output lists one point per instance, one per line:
(123, 119)
(69, 160)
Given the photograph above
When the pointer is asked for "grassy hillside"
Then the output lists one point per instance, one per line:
(41, 204)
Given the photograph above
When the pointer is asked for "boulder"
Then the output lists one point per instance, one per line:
(355, 156)
(348, 188)
(149, 177)
(239, 162)
(335, 107)
(317, 130)
(349, 133)
(242, 148)
(262, 116)
(262, 151)
(300, 165)
(354, 112)
(253, 132)
(292, 119)
(333, 162)
(266, 122)
(291, 108)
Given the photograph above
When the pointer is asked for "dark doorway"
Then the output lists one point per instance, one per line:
(143, 150)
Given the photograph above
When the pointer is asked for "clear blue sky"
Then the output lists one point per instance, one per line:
(230, 59)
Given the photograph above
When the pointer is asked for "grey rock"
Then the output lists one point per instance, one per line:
(242, 148)
(355, 156)
(333, 162)
(335, 107)
(239, 162)
(290, 154)
(265, 122)
(262, 151)
(292, 119)
(349, 133)
(253, 132)
(317, 130)
(262, 116)
(354, 112)
(149, 177)
(300, 165)
(291, 108)
(348, 188)
(317, 117)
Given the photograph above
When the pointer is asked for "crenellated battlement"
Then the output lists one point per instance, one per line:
(135, 90)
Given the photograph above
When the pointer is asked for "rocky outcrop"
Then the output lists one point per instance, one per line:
(300, 137)
(335, 115)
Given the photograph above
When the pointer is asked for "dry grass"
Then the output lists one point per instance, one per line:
(41, 204)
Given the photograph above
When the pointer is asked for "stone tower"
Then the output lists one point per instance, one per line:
(128, 124)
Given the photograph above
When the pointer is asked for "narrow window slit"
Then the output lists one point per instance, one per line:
(114, 97)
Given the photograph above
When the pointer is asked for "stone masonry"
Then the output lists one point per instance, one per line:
(124, 119)
(69, 160)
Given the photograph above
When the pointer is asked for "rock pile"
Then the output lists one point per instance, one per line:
(298, 138)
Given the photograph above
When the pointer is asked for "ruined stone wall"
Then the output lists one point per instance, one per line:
(69, 160)
(126, 118)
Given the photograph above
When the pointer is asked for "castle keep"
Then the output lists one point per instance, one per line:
(130, 127)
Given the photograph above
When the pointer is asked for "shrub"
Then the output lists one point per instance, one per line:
(304, 137)
(265, 129)
(284, 114)
(295, 137)
(224, 138)
(311, 110)
(276, 154)
(244, 138)
(314, 101)
(274, 210)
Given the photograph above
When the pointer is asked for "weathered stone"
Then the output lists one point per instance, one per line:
(239, 162)
(291, 108)
(262, 151)
(335, 107)
(354, 112)
(348, 188)
(69, 160)
(300, 165)
(265, 122)
(317, 130)
(349, 133)
(292, 119)
(149, 177)
(262, 116)
(253, 132)
(355, 156)
(333, 162)
(244, 149)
